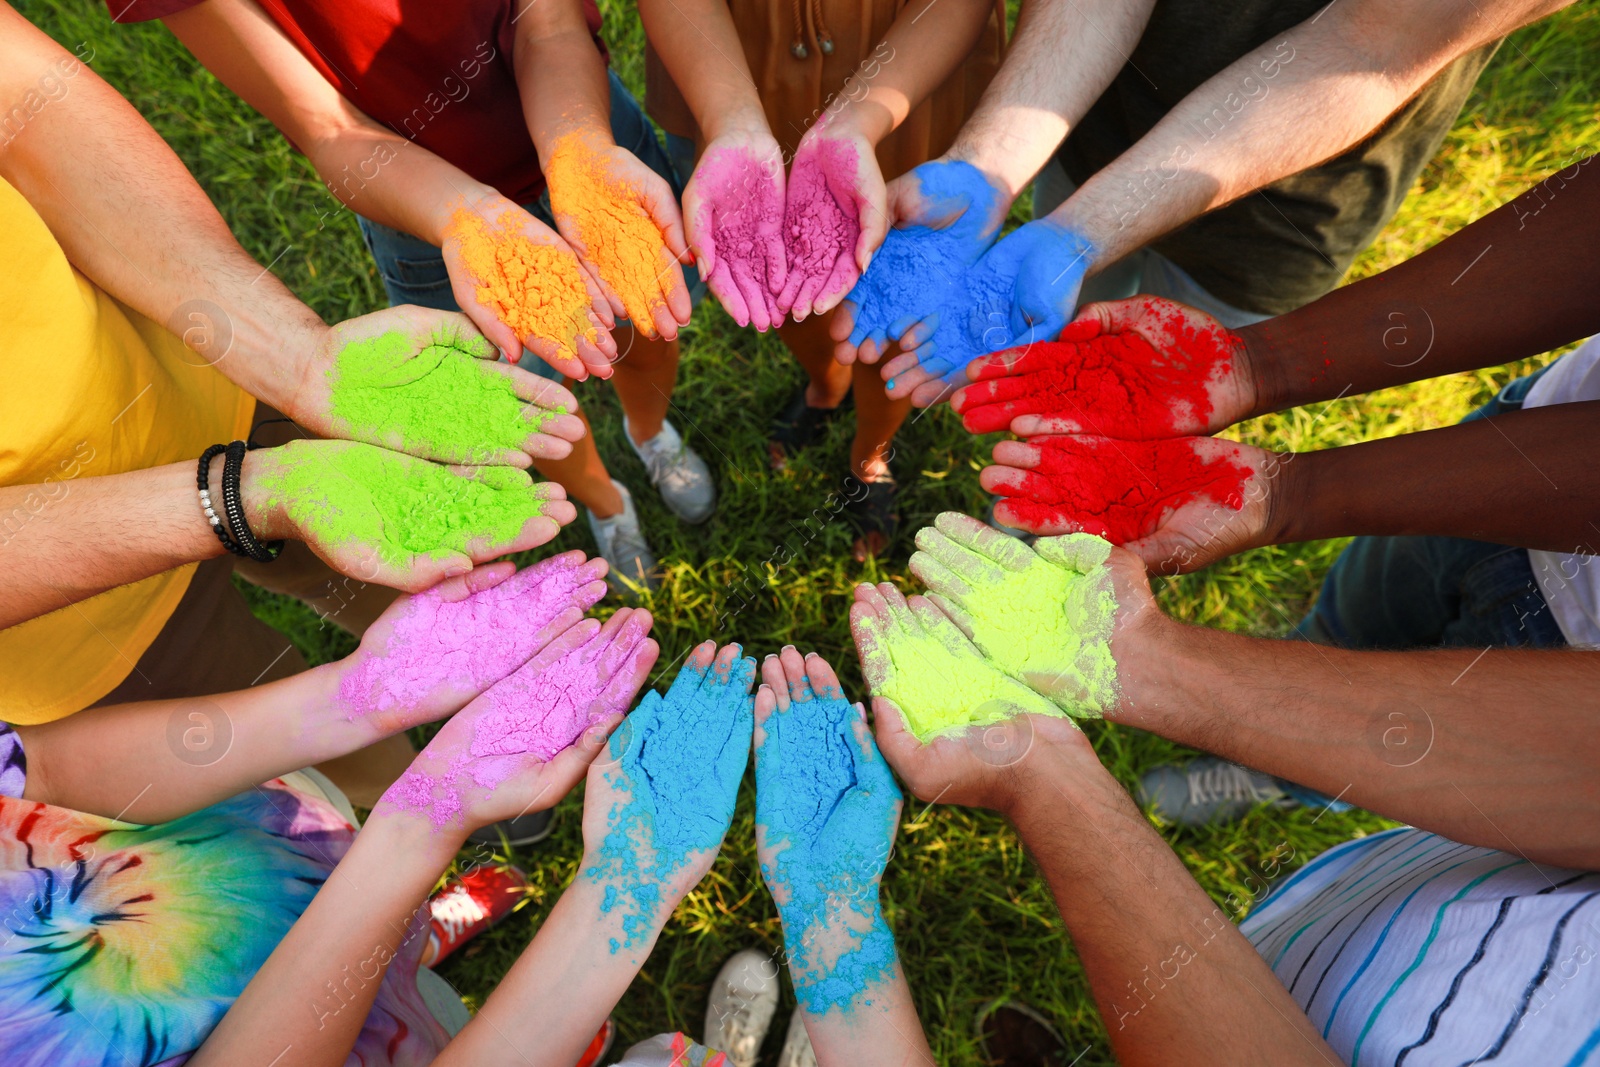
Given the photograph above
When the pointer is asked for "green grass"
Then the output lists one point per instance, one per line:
(973, 919)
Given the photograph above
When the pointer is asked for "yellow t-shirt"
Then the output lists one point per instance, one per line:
(88, 387)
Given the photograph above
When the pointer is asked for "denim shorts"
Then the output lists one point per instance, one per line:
(413, 270)
(1414, 592)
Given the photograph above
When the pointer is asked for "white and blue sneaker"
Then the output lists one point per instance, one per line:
(678, 472)
(622, 545)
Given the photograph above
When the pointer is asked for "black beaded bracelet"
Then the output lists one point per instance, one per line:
(202, 481)
(233, 504)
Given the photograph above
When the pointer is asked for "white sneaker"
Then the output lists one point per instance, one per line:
(623, 547)
(678, 472)
(739, 1010)
(797, 1051)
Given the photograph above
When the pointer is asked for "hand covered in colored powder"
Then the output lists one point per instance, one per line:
(915, 659)
(428, 384)
(1000, 302)
(945, 214)
(386, 517)
(523, 287)
(658, 808)
(432, 652)
(622, 219)
(522, 745)
(1178, 503)
(733, 210)
(826, 813)
(1138, 369)
(834, 219)
(1044, 615)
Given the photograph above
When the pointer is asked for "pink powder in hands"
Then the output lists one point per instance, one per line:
(821, 224)
(440, 653)
(741, 208)
(547, 705)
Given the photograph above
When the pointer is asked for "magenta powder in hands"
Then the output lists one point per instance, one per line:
(742, 205)
(469, 644)
(819, 232)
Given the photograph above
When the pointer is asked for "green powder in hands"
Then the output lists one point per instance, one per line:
(352, 496)
(439, 399)
(913, 655)
(1044, 615)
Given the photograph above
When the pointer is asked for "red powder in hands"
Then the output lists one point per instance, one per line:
(820, 230)
(1115, 384)
(1119, 490)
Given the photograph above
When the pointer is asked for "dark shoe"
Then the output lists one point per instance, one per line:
(799, 425)
(527, 829)
(1011, 1034)
(872, 508)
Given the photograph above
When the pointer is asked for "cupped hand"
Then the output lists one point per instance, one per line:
(835, 217)
(733, 210)
(1137, 369)
(428, 384)
(622, 219)
(1179, 503)
(430, 653)
(386, 517)
(524, 743)
(914, 657)
(523, 286)
(657, 809)
(944, 214)
(1044, 615)
(826, 813)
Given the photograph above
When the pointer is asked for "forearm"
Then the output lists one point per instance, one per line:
(1488, 747)
(132, 219)
(562, 987)
(561, 77)
(1518, 282)
(878, 1025)
(157, 760)
(1517, 479)
(371, 169)
(913, 59)
(309, 1000)
(1064, 55)
(700, 47)
(1167, 968)
(1290, 104)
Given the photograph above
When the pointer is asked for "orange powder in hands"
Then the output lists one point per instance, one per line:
(618, 236)
(536, 289)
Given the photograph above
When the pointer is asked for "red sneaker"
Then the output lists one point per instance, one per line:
(468, 906)
(599, 1046)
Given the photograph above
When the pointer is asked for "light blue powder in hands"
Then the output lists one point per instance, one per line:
(913, 272)
(828, 804)
(679, 759)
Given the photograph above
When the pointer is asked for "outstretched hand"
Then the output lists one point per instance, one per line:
(658, 807)
(826, 813)
(733, 209)
(1138, 369)
(834, 218)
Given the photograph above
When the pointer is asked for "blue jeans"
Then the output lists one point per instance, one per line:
(1413, 592)
(413, 270)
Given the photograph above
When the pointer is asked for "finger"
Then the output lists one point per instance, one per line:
(733, 669)
(824, 682)
(1083, 553)
(930, 393)
(896, 610)
(774, 682)
(1007, 513)
(843, 326)
(569, 766)
(478, 580)
(766, 703)
(867, 630)
(939, 577)
(898, 745)
(872, 773)
(915, 334)
(900, 364)
(961, 619)
(978, 538)
(777, 264)
(1024, 455)
(618, 638)
(754, 295)
(630, 676)
(794, 672)
(722, 283)
(693, 672)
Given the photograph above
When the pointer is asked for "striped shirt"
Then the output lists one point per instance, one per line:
(1408, 948)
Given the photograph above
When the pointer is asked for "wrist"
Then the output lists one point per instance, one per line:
(855, 114)
(1291, 503)
(745, 119)
(261, 510)
(1006, 170)
(412, 835)
(1256, 355)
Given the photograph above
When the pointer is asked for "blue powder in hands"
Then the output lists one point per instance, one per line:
(828, 808)
(679, 762)
(912, 273)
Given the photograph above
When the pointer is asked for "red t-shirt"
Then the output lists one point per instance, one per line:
(439, 74)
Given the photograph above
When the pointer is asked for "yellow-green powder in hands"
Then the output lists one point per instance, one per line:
(441, 399)
(347, 494)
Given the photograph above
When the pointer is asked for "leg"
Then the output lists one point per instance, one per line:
(647, 371)
(584, 476)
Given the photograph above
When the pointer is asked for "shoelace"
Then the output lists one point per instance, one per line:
(457, 912)
(738, 1028)
(1225, 781)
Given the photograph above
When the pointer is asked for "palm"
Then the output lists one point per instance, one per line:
(733, 211)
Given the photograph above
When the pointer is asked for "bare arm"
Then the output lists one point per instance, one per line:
(1064, 55)
(699, 45)
(1287, 105)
